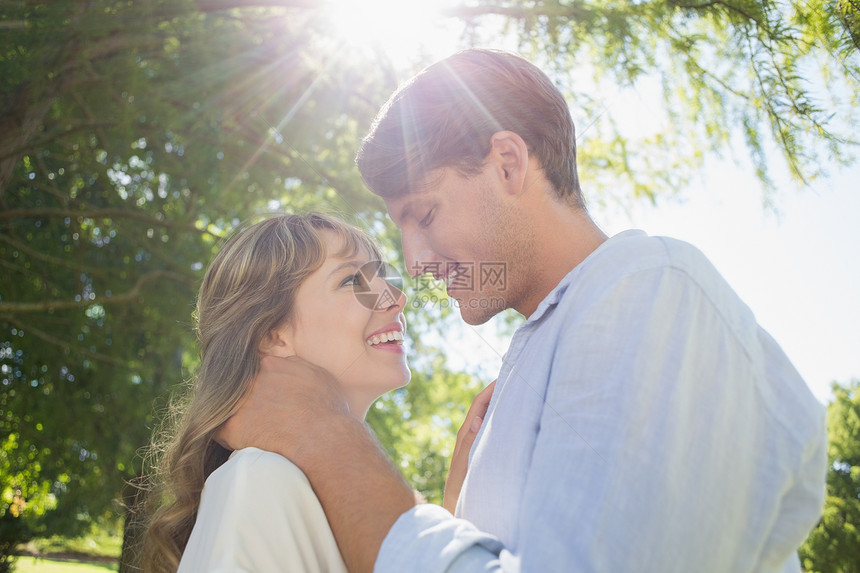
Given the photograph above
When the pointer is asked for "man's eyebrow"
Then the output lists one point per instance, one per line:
(404, 212)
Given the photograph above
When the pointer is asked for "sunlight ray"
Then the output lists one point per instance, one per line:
(274, 134)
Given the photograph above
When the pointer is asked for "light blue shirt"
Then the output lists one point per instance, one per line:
(642, 421)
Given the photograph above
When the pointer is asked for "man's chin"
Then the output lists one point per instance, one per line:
(475, 311)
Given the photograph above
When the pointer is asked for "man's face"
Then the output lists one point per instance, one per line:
(453, 227)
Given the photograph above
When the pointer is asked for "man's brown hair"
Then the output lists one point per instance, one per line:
(446, 115)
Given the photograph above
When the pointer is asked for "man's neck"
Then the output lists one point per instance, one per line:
(565, 236)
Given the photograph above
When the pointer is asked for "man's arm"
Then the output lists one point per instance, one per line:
(298, 411)
(361, 492)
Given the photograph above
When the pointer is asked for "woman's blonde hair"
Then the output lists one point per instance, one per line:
(248, 290)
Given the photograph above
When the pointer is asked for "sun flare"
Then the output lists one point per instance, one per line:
(400, 28)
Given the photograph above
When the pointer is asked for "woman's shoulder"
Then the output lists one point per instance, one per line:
(256, 456)
(252, 466)
(258, 512)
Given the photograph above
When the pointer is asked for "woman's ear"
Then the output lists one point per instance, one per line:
(511, 156)
(278, 342)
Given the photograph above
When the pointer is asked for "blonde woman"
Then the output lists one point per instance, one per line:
(285, 287)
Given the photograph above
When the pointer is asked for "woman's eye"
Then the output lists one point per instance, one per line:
(352, 280)
(428, 218)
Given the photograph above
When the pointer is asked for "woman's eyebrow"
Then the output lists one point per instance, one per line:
(352, 263)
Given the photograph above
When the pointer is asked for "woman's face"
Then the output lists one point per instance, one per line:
(347, 334)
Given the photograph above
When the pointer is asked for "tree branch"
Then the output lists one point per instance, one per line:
(36, 254)
(207, 6)
(103, 214)
(126, 297)
(25, 145)
(515, 12)
(18, 130)
(64, 344)
(704, 6)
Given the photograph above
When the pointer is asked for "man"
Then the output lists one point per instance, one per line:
(642, 420)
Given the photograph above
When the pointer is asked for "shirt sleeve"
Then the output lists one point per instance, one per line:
(259, 514)
(653, 452)
(427, 538)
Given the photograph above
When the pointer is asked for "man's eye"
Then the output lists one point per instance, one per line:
(428, 218)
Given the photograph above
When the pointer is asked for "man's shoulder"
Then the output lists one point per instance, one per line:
(636, 270)
(634, 251)
(655, 249)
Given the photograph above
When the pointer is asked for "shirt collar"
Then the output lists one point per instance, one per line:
(555, 294)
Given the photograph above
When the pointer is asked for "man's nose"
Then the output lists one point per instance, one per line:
(417, 254)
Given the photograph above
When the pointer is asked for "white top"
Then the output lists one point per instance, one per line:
(258, 514)
(642, 421)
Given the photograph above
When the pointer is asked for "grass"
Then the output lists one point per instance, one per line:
(95, 552)
(40, 565)
(98, 543)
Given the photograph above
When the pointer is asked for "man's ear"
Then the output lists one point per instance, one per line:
(510, 155)
(278, 342)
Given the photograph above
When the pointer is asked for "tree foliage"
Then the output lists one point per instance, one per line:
(134, 135)
(730, 72)
(138, 133)
(834, 544)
